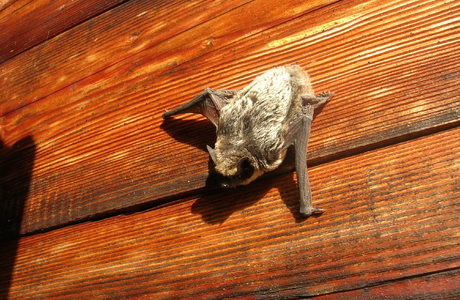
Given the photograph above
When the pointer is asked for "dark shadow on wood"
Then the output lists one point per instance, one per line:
(16, 164)
(199, 133)
(196, 133)
(213, 210)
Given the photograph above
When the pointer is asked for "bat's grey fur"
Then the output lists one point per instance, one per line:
(257, 124)
(256, 121)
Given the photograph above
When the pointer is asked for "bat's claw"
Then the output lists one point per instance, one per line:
(323, 97)
(308, 211)
(326, 94)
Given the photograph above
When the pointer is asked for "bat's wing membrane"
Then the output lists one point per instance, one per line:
(208, 103)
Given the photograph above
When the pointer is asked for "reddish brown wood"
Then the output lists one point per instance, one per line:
(100, 147)
(443, 285)
(391, 214)
(4, 4)
(27, 23)
(194, 27)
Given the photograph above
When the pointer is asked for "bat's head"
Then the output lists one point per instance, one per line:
(236, 167)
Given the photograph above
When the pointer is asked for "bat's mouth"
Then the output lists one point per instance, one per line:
(234, 181)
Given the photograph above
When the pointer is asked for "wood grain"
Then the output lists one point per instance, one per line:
(442, 285)
(26, 23)
(135, 27)
(4, 4)
(391, 214)
(100, 148)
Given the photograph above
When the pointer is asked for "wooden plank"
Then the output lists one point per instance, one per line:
(443, 285)
(102, 149)
(138, 27)
(53, 109)
(391, 214)
(111, 121)
(26, 23)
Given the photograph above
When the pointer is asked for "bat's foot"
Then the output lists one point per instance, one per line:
(317, 100)
(308, 211)
(323, 97)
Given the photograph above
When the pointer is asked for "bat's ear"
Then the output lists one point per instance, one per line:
(211, 153)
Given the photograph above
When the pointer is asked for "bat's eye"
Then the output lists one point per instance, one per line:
(246, 169)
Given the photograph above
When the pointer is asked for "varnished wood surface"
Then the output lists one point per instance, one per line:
(439, 285)
(162, 35)
(391, 214)
(99, 128)
(25, 23)
(4, 4)
(81, 138)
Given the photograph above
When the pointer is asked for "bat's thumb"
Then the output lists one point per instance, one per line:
(211, 153)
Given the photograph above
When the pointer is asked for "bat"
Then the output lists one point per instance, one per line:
(257, 124)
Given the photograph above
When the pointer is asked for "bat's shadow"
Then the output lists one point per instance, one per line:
(196, 133)
(216, 205)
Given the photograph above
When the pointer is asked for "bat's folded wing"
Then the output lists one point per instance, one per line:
(208, 103)
(298, 134)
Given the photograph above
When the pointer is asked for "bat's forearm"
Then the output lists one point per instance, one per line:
(301, 145)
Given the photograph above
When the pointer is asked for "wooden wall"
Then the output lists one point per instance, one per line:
(102, 199)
